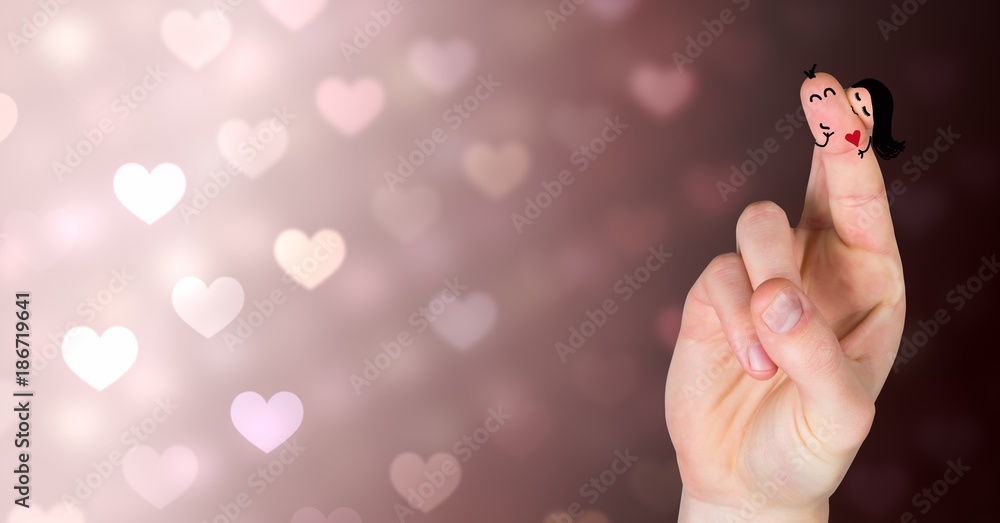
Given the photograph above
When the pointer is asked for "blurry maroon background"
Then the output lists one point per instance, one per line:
(655, 185)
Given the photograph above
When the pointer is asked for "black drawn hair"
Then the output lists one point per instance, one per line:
(885, 145)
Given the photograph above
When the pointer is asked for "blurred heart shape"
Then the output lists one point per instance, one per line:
(496, 172)
(350, 108)
(293, 14)
(195, 41)
(266, 424)
(149, 194)
(40, 242)
(406, 212)
(425, 484)
(99, 360)
(466, 321)
(590, 516)
(577, 125)
(310, 261)
(8, 116)
(160, 479)
(611, 10)
(312, 515)
(594, 516)
(661, 91)
(441, 67)
(239, 142)
(207, 309)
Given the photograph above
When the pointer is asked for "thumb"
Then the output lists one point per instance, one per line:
(798, 340)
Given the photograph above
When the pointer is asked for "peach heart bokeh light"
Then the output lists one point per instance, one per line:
(467, 320)
(350, 108)
(313, 515)
(207, 309)
(661, 90)
(160, 478)
(255, 149)
(496, 172)
(309, 261)
(408, 471)
(406, 212)
(293, 14)
(195, 41)
(8, 116)
(442, 66)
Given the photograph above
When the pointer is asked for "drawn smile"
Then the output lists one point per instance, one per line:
(827, 134)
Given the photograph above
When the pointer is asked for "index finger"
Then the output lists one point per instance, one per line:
(847, 160)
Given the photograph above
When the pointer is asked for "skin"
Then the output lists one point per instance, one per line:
(861, 104)
(772, 440)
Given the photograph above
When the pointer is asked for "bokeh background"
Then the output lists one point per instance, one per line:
(655, 185)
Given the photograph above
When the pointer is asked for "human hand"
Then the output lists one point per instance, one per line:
(813, 316)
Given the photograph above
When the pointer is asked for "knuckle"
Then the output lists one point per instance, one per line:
(759, 213)
(822, 357)
(845, 432)
(863, 199)
(860, 235)
(857, 427)
(724, 265)
(725, 261)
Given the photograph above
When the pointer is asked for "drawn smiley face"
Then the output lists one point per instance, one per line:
(828, 91)
(861, 104)
(849, 112)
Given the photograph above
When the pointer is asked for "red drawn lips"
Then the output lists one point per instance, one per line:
(854, 137)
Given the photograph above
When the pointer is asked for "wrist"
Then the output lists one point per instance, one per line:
(693, 510)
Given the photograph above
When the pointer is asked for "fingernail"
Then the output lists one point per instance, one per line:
(759, 360)
(784, 312)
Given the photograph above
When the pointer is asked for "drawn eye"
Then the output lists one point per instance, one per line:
(816, 96)
(865, 110)
(828, 89)
(857, 96)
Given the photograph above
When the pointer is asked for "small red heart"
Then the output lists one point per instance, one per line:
(854, 137)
